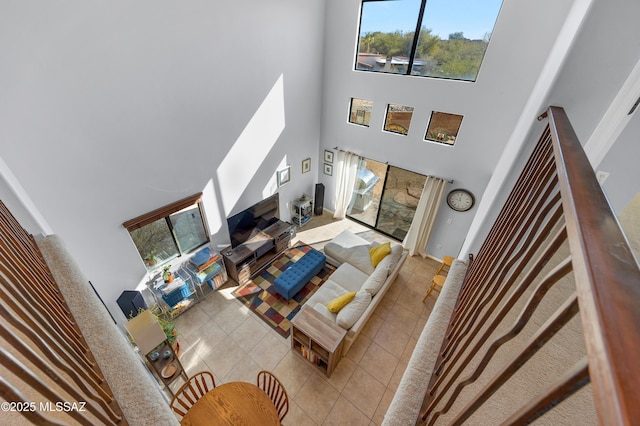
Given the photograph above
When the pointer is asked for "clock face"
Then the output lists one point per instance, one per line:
(460, 200)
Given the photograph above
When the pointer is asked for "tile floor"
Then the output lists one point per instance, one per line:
(221, 335)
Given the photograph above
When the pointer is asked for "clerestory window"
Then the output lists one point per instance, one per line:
(429, 38)
(168, 232)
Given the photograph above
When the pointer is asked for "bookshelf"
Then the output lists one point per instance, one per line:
(317, 339)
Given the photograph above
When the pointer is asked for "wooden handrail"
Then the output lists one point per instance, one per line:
(556, 232)
(607, 279)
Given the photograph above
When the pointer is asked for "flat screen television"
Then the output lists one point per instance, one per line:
(247, 223)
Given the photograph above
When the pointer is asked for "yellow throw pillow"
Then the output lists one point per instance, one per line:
(379, 252)
(340, 302)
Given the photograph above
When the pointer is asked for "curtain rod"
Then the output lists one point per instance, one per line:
(387, 163)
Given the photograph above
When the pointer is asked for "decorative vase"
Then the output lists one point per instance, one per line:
(169, 278)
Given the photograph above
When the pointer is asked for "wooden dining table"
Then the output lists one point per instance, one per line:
(233, 403)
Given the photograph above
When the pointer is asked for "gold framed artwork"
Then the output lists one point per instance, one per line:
(306, 165)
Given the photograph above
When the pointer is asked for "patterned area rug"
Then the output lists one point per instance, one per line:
(260, 296)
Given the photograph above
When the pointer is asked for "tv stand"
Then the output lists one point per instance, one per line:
(247, 260)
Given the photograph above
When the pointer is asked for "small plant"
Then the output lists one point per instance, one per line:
(168, 326)
(167, 275)
(151, 258)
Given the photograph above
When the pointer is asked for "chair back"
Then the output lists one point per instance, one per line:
(278, 395)
(190, 392)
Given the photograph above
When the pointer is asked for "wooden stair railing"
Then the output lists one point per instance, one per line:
(44, 358)
(555, 257)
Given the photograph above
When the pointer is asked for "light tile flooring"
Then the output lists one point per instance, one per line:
(221, 335)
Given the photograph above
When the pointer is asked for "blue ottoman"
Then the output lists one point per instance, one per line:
(299, 274)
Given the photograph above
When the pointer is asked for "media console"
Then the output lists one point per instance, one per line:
(247, 259)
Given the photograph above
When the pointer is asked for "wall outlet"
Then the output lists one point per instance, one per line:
(449, 221)
(602, 176)
(438, 246)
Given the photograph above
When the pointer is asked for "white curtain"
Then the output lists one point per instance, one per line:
(426, 212)
(346, 169)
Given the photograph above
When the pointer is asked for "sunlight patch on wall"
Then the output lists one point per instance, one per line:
(272, 184)
(211, 208)
(252, 146)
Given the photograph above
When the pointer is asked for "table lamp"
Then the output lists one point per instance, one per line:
(146, 331)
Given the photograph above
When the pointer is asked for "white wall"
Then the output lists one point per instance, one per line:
(491, 106)
(604, 53)
(113, 109)
(607, 50)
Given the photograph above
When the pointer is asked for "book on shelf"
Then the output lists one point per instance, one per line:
(202, 266)
(309, 355)
(218, 280)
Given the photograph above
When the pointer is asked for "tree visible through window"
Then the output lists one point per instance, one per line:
(430, 38)
(168, 232)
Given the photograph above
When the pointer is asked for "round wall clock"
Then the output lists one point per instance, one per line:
(460, 200)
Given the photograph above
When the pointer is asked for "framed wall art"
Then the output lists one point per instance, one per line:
(284, 176)
(306, 165)
(328, 169)
(328, 156)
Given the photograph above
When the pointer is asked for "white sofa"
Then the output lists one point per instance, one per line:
(355, 273)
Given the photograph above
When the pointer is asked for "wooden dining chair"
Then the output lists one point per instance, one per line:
(272, 387)
(436, 284)
(190, 392)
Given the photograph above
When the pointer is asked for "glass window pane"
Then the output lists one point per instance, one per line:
(402, 191)
(189, 228)
(360, 111)
(443, 127)
(367, 192)
(154, 243)
(398, 119)
(454, 37)
(386, 35)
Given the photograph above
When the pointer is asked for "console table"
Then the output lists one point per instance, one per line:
(247, 259)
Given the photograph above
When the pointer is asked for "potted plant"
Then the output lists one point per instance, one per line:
(167, 275)
(151, 259)
(165, 319)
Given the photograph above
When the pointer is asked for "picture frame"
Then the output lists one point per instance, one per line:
(284, 176)
(328, 156)
(328, 169)
(306, 165)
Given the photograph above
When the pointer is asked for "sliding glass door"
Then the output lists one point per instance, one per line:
(368, 192)
(385, 198)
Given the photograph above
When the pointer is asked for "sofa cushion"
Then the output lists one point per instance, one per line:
(374, 283)
(322, 309)
(325, 294)
(357, 256)
(379, 252)
(349, 277)
(339, 302)
(354, 310)
(390, 261)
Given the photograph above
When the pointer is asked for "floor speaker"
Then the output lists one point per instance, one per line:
(130, 302)
(319, 200)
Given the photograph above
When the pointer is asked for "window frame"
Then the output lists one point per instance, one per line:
(364, 113)
(165, 213)
(386, 127)
(414, 46)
